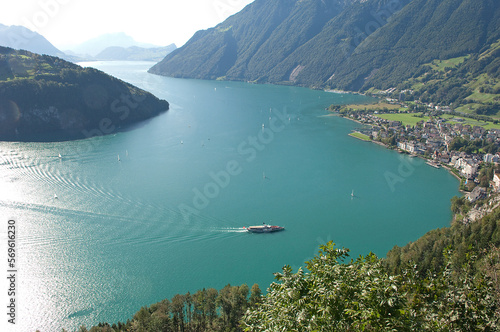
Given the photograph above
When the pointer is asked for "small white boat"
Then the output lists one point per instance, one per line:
(55, 196)
(119, 158)
(60, 157)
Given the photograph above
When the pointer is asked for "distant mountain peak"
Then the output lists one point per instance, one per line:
(135, 53)
(21, 38)
(118, 39)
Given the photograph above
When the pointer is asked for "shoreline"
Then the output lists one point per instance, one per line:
(421, 157)
(353, 134)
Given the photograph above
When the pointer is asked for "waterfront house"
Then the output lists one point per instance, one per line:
(453, 160)
(408, 147)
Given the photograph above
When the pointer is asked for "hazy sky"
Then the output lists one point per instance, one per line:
(160, 22)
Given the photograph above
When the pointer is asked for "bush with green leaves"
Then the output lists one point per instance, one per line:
(362, 296)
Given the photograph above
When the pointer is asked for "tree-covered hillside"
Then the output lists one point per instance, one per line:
(424, 30)
(249, 44)
(44, 98)
(470, 84)
(349, 45)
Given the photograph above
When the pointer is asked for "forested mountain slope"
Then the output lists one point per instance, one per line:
(351, 45)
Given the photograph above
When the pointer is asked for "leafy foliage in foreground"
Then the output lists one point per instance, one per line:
(363, 296)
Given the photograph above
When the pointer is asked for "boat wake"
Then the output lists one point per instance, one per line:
(231, 230)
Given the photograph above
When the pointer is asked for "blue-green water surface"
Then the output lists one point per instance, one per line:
(167, 218)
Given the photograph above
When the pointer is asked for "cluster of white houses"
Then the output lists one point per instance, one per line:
(432, 138)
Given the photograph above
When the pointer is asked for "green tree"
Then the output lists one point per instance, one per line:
(486, 175)
(362, 296)
(331, 297)
(232, 301)
(255, 295)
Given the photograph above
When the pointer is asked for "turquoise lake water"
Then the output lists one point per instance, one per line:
(167, 218)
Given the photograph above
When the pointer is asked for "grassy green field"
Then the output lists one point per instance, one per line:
(373, 107)
(405, 118)
(442, 64)
(469, 108)
(472, 122)
(411, 119)
(483, 97)
(360, 136)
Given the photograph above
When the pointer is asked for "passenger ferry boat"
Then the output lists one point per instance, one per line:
(264, 228)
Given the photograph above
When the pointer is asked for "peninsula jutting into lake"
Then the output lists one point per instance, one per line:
(44, 98)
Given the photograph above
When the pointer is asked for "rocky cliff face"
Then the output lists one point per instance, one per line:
(478, 211)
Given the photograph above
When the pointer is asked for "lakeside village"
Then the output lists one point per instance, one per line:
(443, 138)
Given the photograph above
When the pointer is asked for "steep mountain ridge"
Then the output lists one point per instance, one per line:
(334, 45)
(350, 45)
(305, 18)
(248, 44)
(441, 30)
